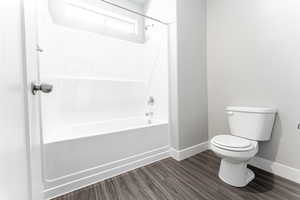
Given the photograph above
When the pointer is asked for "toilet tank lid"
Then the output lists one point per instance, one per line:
(251, 109)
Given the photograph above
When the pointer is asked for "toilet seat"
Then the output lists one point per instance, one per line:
(232, 143)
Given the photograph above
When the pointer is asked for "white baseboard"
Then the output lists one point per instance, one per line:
(188, 152)
(111, 170)
(276, 168)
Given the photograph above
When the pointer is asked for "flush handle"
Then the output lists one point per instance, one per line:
(43, 87)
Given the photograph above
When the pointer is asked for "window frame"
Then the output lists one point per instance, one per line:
(59, 12)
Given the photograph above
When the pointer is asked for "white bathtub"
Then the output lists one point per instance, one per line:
(84, 130)
(90, 152)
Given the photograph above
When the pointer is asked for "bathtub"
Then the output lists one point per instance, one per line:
(84, 130)
(90, 152)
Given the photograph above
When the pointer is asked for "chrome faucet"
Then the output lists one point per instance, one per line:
(150, 112)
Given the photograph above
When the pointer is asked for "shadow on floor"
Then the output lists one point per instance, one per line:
(263, 182)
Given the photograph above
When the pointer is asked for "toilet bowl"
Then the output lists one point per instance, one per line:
(248, 125)
(235, 153)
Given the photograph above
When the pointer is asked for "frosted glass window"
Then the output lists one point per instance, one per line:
(121, 25)
(78, 13)
(108, 20)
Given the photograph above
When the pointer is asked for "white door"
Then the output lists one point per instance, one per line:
(33, 101)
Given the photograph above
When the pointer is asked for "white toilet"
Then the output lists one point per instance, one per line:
(248, 125)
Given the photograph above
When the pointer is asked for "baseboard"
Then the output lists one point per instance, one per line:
(188, 152)
(276, 168)
(132, 163)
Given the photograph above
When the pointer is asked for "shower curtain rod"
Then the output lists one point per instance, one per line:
(132, 11)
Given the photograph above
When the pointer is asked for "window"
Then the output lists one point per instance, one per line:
(112, 22)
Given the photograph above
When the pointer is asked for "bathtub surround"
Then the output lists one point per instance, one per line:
(94, 123)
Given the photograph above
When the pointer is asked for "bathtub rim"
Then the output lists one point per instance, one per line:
(116, 131)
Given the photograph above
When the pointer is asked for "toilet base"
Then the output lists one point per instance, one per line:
(235, 173)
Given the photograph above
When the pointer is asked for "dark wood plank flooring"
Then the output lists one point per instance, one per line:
(192, 179)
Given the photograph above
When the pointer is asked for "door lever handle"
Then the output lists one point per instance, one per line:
(43, 87)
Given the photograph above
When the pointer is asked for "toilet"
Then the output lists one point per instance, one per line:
(248, 126)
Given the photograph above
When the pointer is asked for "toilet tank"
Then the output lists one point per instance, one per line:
(253, 123)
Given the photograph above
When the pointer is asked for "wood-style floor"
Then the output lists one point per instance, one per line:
(192, 179)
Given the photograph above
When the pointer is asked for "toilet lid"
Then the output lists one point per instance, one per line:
(231, 141)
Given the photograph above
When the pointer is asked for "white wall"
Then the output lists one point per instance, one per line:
(253, 60)
(13, 165)
(173, 86)
(192, 88)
